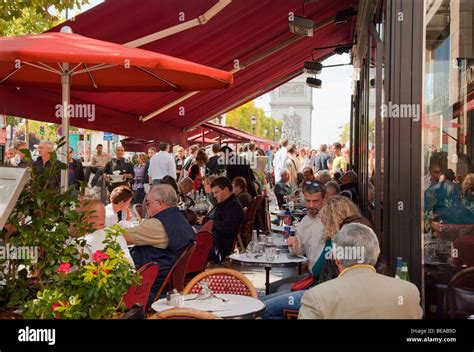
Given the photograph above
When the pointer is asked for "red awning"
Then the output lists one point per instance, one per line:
(228, 135)
(251, 38)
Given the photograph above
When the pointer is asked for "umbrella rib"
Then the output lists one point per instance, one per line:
(94, 68)
(10, 74)
(74, 69)
(157, 77)
(92, 78)
(45, 67)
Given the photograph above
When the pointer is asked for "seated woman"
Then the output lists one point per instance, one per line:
(95, 215)
(335, 211)
(239, 188)
(119, 207)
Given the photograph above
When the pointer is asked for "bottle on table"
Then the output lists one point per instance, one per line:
(398, 269)
(404, 272)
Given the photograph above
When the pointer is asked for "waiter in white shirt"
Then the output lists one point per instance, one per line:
(161, 164)
(279, 160)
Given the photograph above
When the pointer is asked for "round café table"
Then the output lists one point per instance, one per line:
(226, 306)
(282, 260)
(297, 213)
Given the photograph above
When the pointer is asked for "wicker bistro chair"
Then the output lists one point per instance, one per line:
(223, 281)
(459, 299)
(184, 313)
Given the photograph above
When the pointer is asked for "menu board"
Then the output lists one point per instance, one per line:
(12, 181)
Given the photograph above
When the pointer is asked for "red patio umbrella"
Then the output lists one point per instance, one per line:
(80, 63)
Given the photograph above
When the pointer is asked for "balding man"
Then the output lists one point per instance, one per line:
(163, 237)
(359, 292)
(44, 163)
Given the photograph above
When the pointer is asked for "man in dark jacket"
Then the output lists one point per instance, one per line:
(44, 163)
(228, 216)
(122, 167)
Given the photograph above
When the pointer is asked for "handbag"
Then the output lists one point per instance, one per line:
(304, 283)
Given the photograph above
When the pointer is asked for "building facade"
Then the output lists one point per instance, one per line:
(292, 103)
(415, 65)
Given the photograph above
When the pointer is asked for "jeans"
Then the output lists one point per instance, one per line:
(276, 303)
(284, 285)
(98, 171)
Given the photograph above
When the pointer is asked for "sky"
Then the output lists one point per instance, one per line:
(331, 102)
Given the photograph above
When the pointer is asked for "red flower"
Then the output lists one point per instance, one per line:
(106, 271)
(98, 256)
(64, 268)
(53, 306)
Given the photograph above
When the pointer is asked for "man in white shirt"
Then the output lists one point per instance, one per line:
(161, 164)
(119, 207)
(279, 160)
(95, 215)
(309, 233)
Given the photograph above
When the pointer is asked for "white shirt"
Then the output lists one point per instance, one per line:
(111, 217)
(279, 162)
(162, 164)
(309, 233)
(94, 242)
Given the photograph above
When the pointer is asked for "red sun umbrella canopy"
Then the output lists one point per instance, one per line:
(96, 65)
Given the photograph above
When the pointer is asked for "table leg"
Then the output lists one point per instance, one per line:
(267, 280)
(300, 271)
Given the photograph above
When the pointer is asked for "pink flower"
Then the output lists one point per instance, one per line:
(98, 256)
(64, 268)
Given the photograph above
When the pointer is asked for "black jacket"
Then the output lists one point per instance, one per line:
(228, 217)
(41, 168)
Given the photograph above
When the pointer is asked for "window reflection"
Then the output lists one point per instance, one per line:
(448, 141)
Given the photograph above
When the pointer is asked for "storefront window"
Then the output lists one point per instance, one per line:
(448, 141)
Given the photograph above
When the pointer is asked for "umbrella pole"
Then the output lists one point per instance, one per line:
(66, 96)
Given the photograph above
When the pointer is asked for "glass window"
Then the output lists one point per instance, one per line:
(448, 140)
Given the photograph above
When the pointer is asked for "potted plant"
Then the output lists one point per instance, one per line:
(41, 225)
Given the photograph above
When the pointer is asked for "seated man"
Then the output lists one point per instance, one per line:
(185, 187)
(228, 216)
(161, 238)
(349, 186)
(283, 188)
(97, 165)
(119, 207)
(377, 296)
(308, 175)
(95, 215)
(239, 187)
(308, 240)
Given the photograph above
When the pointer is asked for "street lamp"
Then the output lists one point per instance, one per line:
(254, 124)
(276, 133)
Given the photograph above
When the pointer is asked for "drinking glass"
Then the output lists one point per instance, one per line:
(270, 253)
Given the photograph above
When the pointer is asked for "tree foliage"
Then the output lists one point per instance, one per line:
(32, 16)
(241, 118)
(345, 133)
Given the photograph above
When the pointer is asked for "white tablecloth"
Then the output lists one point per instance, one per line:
(236, 306)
